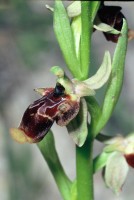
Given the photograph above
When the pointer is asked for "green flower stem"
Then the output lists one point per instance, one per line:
(85, 37)
(47, 148)
(84, 160)
(84, 164)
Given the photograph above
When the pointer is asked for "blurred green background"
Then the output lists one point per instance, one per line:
(28, 48)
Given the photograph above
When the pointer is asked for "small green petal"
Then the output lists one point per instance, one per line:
(102, 75)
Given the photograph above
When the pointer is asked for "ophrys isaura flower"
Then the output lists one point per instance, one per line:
(60, 104)
(38, 118)
(112, 16)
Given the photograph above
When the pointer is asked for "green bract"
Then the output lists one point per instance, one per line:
(116, 171)
(77, 128)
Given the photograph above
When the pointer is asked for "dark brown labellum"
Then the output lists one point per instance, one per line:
(130, 159)
(55, 105)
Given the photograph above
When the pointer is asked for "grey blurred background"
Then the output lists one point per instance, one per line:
(28, 48)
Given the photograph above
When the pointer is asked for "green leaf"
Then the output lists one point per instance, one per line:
(102, 75)
(48, 150)
(65, 38)
(115, 172)
(100, 161)
(106, 28)
(116, 80)
(77, 128)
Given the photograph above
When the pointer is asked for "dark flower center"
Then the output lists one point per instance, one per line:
(59, 90)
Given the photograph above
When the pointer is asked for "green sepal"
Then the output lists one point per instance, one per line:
(116, 171)
(100, 161)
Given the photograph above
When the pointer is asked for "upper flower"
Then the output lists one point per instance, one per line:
(112, 16)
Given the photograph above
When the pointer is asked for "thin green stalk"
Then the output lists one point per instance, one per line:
(85, 37)
(84, 163)
(48, 150)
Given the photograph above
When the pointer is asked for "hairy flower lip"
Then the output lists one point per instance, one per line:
(38, 118)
